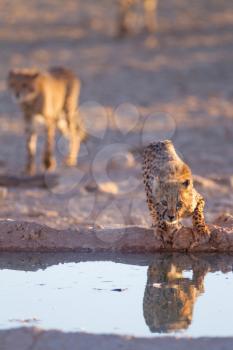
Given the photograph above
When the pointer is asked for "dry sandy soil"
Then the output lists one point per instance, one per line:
(176, 85)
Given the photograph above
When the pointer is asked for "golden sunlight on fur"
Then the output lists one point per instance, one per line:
(50, 97)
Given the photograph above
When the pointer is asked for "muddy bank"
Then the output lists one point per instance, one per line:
(29, 236)
(34, 261)
(36, 339)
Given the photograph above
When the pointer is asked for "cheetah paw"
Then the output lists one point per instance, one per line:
(201, 238)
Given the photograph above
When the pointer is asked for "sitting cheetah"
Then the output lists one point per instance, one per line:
(125, 6)
(170, 192)
(49, 97)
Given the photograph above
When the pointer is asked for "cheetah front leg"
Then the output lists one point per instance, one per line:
(161, 232)
(74, 145)
(124, 10)
(49, 160)
(152, 210)
(158, 224)
(165, 232)
(201, 230)
(150, 15)
(31, 150)
(31, 143)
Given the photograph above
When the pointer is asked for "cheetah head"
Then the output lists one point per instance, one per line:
(174, 198)
(24, 84)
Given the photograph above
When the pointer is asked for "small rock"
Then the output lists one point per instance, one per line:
(121, 162)
(224, 220)
(48, 213)
(108, 187)
(118, 289)
(27, 320)
(104, 187)
(51, 213)
(91, 186)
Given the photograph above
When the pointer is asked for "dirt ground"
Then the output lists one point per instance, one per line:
(35, 339)
(177, 84)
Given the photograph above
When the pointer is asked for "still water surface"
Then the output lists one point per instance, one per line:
(157, 295)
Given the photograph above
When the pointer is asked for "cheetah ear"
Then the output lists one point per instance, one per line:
(34, 76)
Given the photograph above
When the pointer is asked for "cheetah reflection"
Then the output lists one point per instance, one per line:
(169, 297)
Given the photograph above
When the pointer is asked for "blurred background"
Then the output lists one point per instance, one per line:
(174, 83)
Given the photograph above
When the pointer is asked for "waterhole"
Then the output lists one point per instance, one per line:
(162, 294)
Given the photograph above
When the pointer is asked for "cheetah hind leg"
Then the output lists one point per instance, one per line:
(31, 152)
(201, 231)
(49, 159)
(74, 145)
(70, 133)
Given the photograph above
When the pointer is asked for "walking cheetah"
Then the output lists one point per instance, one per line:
(50, 97)
(170, 193)
(149, 10)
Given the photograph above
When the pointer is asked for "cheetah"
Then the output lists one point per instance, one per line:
(149, 10)
(169, 297)
(49, 97)
(170, 193)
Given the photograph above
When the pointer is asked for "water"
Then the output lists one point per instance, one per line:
(164, 294)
